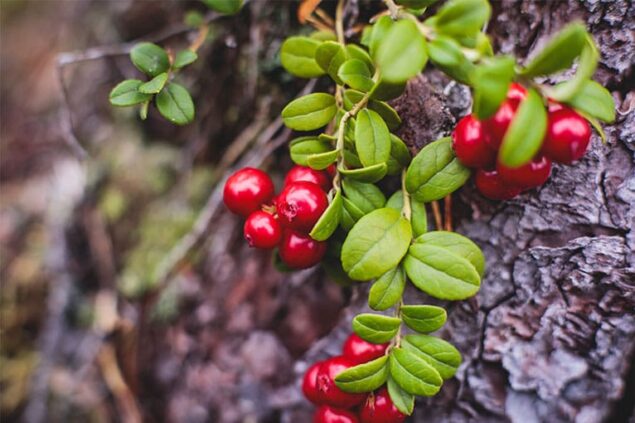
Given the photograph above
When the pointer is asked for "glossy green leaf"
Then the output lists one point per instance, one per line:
(401, 53)
(354, 51)
(380, 29)
(366, 197)
(227, 7)
(595, 124)
(330, 55)
(364, 377)
(491, 80)
(297, 55)
(416, 4)
(184, 58)
(559, 53)
(309, 112)
(441, 355)
(404, 401)
(368, 174)
(594, 100)
(387, 113)
(399, 155)
(423, 318)
(155, 85)
(457, 244)
(126, 93)
(150, 58)
(462, 17)
(526, 132)
(387, 289)
(435, 172)
(447, 55)
(384, 90)
(322, 160)
(419, 218)
(376, 328)
(301, 148)
(350, 215)
(351, 159)
(376, 244)
(143, 110)
(372, 138)
(441, 273)
(356, 74)
(413, 374)
(588, 62)
(175, 104)
(330, 219)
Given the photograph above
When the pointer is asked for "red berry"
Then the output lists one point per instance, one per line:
(531, 175)
(300, 205)
(380, 409)
(498, 124)
(327, 414)
(300, 251)
(568, 136)
(303, 173)
(246, 190)
(331, 170)
(262, 230)
(309, 384)
(554, 106)
(491, 185)
(326, 383)
(359, 351)
(516, 92)
(470, 145)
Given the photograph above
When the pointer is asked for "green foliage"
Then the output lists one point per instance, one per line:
(310, 112)
(413, 373)
(175, 104)
(387, 289)
(364, 377)
(228, 7)
(439, 354)
(330, 219)
(401, 53)
(376, 328)
(126, 93)
(150, 59)
(491, 81)
(298, 57)
(372, 138)
(559, 53)
(423, 318)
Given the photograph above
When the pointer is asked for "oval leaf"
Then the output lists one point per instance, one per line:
(184, 58)
(524, 136)
(462, 17)
(387, 113)
(372, 138)
(376, 244)
(413, 374)
(423, 318)
(301, 148)
(126, 93)
(364, 377)
(330, 55)
(376, 328)
(356, 52)
(366, 197)
(594, 100)
(401, 53)
(491, 81)
(228, 7)
(366, 174)
(322, 160)
(155, 85)
(175, 104)
(404, 401)
(387, 289)
(447, 55)
(435, 172)
(457, 244)
(441, 355)
(356, 74)
(310, 112)
(399, 155)
(419, 217)
(330, 219)
(150, 58)
(297, 56)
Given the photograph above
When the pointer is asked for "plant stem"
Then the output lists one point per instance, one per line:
(436, 211)
(200, 38)
(448, 213)
(406, 210)
(393, 8)
(339, 21)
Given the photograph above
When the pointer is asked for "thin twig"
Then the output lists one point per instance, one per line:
(436, 211)
(448, 213)
(111, 373)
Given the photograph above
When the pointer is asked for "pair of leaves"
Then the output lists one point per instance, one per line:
(309, 112)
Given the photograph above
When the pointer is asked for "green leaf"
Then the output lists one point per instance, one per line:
(399, 155)
(384, 90)
(387, 289)
(143, 110)
(356, 74)
(404, 401)
(330, 219)
(351, 159)
(330, 55)
(401, 53)
(175, 104)
(457, 244)
(462, 17)
(586, 68)
(310, 112)
(594, 100)
(595, 124)
(416, 4)
(368, 174)
(441, 355)
(491, 81)
(322, 160)
(366, 197)
(524, 136)
(228, 7)
(126, 93)
(423, 318)
(559, 53)
(380, 29)
(376, 244)
(441, 273)
(435, 172)
(323, 35)
(387, 113)
(297, 55)
(372, 138)
(364, 377)
(356, 52)
(419, 218)
(184, 58)
(155, 85)
(413, 374)
(376, 328)
(350, 215)
(302, 148)
(447, 55)
(150, 58)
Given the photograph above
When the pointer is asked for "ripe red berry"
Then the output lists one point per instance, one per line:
(492, 186)
(300, 251)
(470, 144)
(246, 190)
(498, 124)
(567, 137)
(309, 384)
(262, 230)
(531, 175)
(300, 205)
(326, 383)
(359, 351)
(328, 414)
(303, 173)
(379, 408)
(331, 170)
(516, 92)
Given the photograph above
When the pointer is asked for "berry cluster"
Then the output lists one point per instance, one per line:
(337, 406)
(476, 144)
(283, 221)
